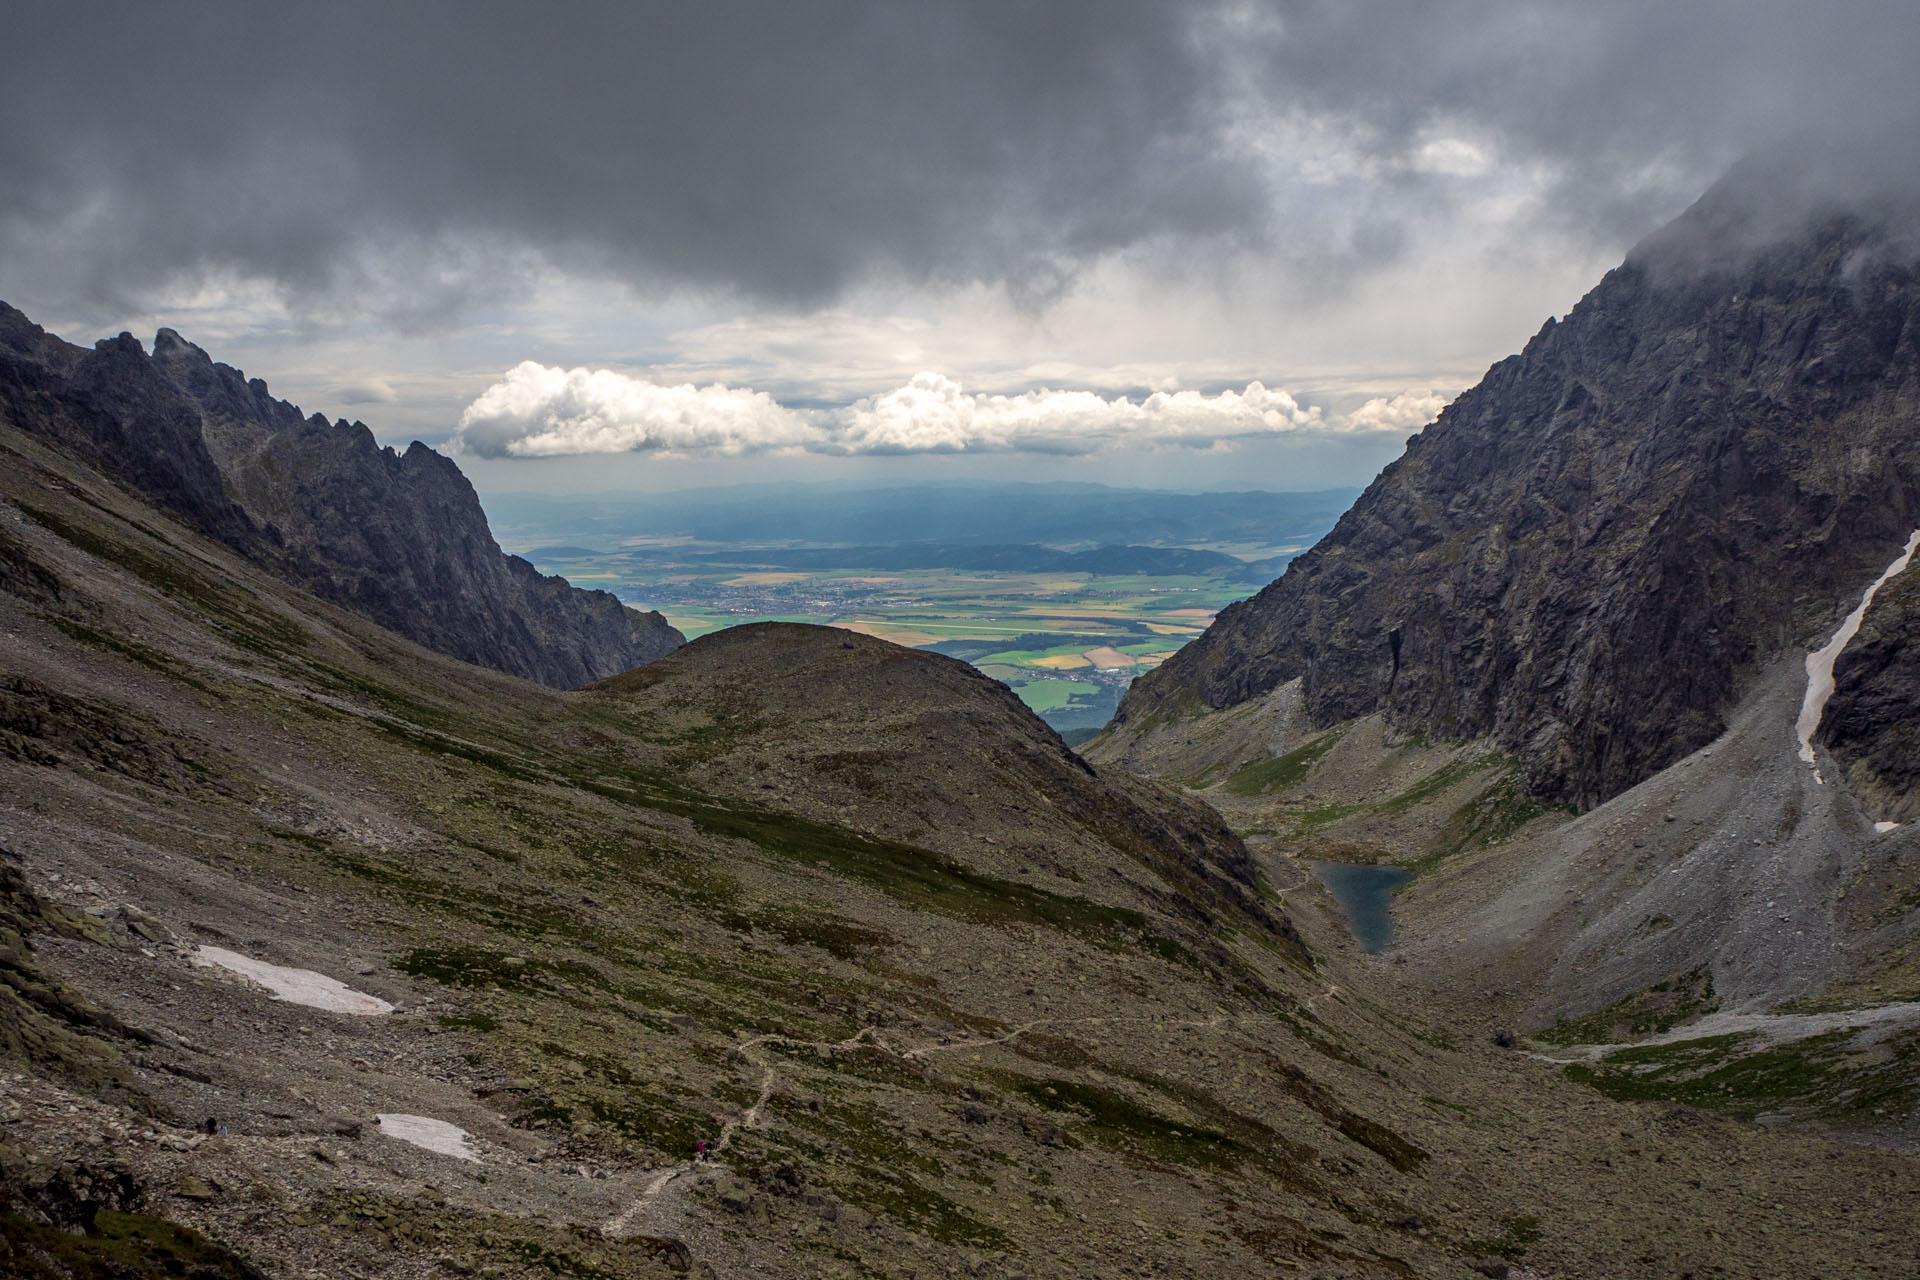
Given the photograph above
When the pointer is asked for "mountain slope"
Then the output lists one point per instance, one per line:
(399, 538)
(1589, 554)
(915, 746)
(672, 908)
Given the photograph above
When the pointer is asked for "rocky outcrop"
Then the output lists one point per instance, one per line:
(397, 537)
(1588, 553)
(117, 411)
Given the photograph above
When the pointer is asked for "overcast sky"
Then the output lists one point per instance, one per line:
(652, 245)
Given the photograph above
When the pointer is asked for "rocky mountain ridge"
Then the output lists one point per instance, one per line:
(398, 537)
(1591, 553)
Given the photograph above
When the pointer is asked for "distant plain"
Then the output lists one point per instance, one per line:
(979, 574)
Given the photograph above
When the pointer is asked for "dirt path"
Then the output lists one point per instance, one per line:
(1306, 878)
(622, 1223)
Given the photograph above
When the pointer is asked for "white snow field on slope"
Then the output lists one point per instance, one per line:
(424, 1131)
(295, 986)
(1820, 662)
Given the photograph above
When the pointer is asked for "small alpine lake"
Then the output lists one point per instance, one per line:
(1365, 895)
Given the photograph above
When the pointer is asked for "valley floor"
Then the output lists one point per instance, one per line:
(1580, 941)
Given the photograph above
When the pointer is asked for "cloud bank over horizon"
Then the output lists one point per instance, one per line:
(539, 411)
(360, 162)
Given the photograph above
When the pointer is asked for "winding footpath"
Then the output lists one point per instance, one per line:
(622, 1223)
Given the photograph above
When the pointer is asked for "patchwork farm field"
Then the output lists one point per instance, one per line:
(1067, 643)
(1064, 592)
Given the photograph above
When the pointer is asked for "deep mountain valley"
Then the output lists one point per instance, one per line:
(1583, 660)
(371, 905)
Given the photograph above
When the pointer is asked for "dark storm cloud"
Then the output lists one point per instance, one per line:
(1631, 105)
(780, 148)
(417, 159)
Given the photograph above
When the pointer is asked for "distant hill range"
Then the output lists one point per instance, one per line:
(1067, 515)
(1004, 558)
(397, 537)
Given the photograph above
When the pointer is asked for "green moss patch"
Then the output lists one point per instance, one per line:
(1651, 1012)
(132, 650)
(1276, 773)
(117, 1246)
(879, 1170)
(45, 1024)
(1489, 818)
(1121, 1123)
(920, 878)
(517, 913)
(831, 934)
(1519, 1233)
(477, 967)
(1826, 1076)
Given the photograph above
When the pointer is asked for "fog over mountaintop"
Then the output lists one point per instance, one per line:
(1786, 192)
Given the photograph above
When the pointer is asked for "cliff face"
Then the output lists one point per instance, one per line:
(115, 409)
(1587, 553)
(397, 537)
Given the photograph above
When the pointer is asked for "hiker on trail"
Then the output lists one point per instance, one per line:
(700, 1149)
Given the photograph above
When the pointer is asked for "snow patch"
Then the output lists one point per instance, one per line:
(295, 986)
(424, 1131)
(1884, 827)
(1820, 662)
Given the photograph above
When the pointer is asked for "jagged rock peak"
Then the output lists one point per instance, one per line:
(399, 538)
(1588, 553)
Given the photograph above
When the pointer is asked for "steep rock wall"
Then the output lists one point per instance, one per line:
(398, 537)
(1588, 553)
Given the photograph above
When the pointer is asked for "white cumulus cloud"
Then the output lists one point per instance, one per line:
(538, 411)
(1408, 411)
(934, 414)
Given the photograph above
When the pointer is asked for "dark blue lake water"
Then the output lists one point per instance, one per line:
(1365, 895)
